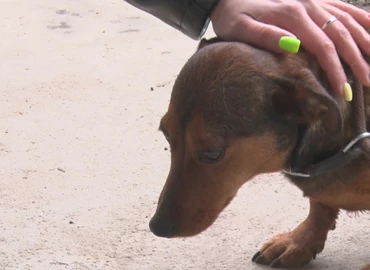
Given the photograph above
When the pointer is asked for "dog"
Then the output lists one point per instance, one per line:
(237, 111)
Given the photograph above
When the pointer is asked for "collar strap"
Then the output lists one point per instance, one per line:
(343, 157)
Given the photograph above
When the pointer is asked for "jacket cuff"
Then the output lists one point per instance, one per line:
(191, 17)
(196, 18)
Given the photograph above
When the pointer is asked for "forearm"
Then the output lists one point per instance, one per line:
(191, 17)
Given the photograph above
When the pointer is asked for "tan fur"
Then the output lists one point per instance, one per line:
(199, 194)
(258, 109)
(352, 198)
(304, 242)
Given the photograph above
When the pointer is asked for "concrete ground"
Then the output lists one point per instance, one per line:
(83, 86)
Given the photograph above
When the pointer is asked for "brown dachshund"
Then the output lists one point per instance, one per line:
(237, 112)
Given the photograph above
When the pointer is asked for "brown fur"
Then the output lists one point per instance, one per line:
(261, 113)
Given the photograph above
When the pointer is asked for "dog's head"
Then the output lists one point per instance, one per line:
(235, 112)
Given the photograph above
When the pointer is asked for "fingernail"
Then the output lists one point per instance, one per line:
(289, 44)
(348, 92)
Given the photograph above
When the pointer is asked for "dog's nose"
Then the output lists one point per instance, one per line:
(162, 226)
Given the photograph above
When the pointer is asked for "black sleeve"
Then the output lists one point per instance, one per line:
(191, 17)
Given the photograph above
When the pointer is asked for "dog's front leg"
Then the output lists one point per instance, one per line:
(298, 247)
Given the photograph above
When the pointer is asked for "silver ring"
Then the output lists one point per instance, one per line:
(331, 20)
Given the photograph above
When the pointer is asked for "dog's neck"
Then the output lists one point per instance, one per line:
(315, 143)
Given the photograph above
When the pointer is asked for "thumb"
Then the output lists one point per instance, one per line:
(263, 35)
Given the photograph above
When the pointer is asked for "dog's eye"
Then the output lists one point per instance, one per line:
(211, 156)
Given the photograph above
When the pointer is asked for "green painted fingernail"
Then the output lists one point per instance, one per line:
(289, 44)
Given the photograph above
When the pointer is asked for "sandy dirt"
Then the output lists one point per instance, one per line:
(83, 86)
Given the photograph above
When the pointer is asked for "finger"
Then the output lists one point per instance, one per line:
(295, 19)
(345, 45)
(263, 35)
(358, 33)
(359, 14)
(316, 42)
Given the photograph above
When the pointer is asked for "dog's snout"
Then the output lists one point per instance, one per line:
(162, 226)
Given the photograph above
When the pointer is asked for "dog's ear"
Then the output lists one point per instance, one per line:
(303, 98)
(205, 42)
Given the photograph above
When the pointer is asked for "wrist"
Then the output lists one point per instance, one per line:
(208, 6)
(215, 11)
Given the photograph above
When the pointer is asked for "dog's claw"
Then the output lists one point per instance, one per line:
(255, 256)
(334, 226)
(275, 263)
(260, 259)
(314, 256)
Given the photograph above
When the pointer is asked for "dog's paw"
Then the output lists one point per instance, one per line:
(288, 250)
(366, 267)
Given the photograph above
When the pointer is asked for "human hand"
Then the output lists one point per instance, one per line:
(264, 22)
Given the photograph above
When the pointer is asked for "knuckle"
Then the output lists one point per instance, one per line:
(345, 17)
(343, 34)
(354, 64)
(327, 46)
(360, 64)
(366, 41)
(264, 32)
(308, 2)
(293, 7)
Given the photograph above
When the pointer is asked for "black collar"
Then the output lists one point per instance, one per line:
(343, 157)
